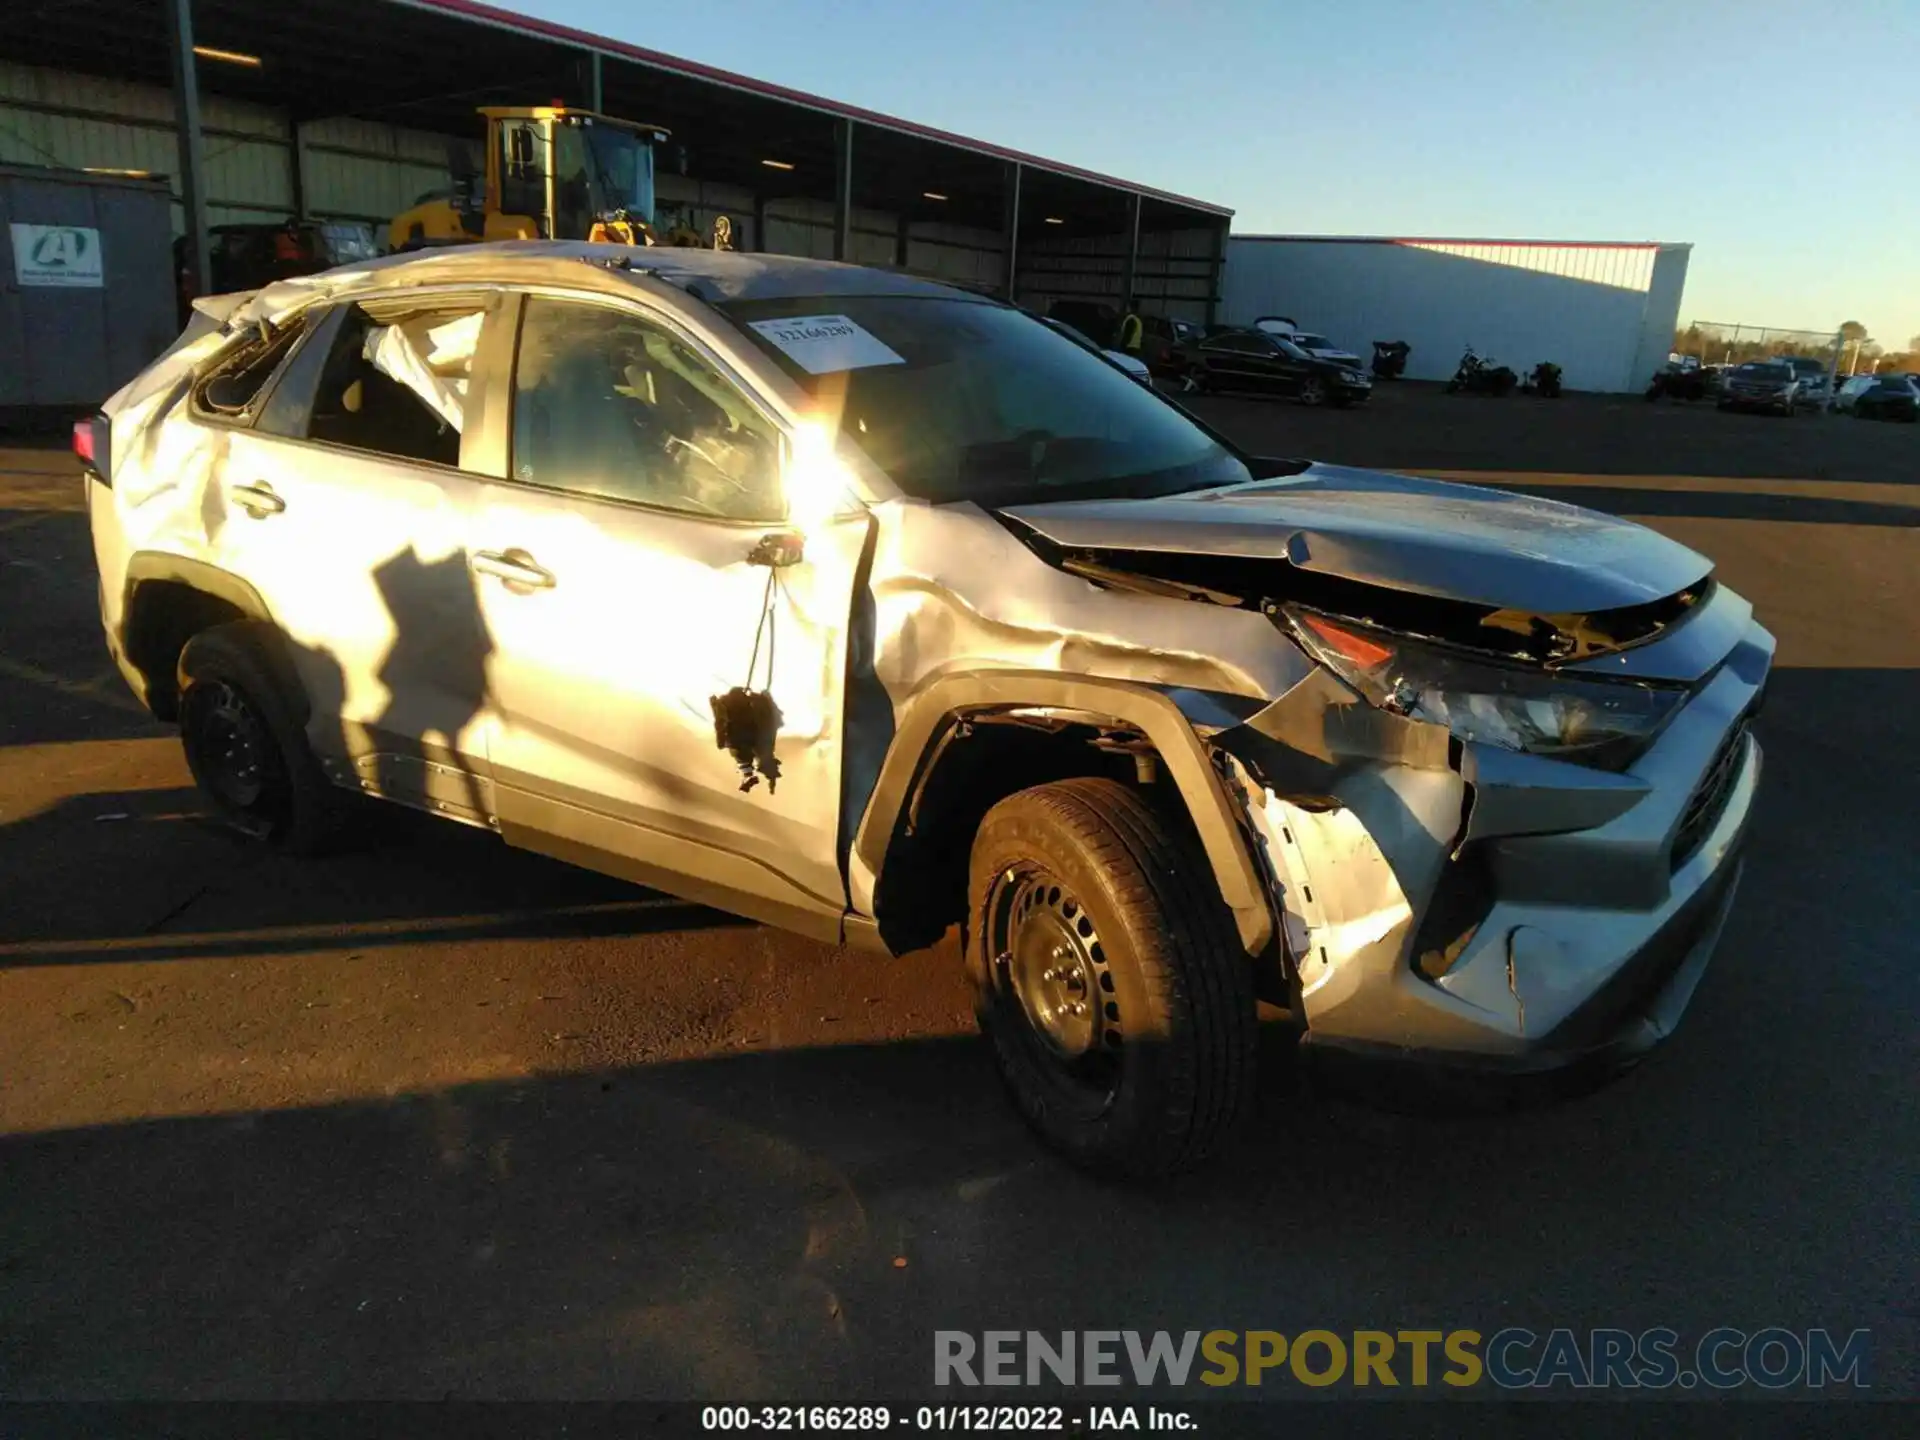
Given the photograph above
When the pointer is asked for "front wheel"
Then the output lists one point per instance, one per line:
(1313, 392)
(1109, 978)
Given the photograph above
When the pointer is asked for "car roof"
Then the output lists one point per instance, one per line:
(716, 276)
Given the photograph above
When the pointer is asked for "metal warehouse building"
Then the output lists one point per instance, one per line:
(1603, 311)
(343, 109)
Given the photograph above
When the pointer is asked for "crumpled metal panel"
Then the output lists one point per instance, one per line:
(719, 275)
(953, 589)
(1427, 537)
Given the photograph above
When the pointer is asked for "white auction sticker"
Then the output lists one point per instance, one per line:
(824, 344)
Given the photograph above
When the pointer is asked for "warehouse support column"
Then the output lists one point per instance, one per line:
(843, 191)
(186, 120)
(760, 223)
(1216, 273)
(596, 89)
(1013, 226)
(1128, 278)
(297, 167)
(902, 233)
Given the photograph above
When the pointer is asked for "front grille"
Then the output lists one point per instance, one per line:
(1709, 797)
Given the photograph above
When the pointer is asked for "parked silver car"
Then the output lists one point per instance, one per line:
(865, 607)
(1816, 381)
(1768, 385)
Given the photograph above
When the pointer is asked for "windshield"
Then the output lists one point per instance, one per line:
(599, 169)
(962, 399)
(1292, 347)
(1313, 342)
(1071, 333)
(1751, 371)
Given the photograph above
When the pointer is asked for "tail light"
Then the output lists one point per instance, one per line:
(93, 447)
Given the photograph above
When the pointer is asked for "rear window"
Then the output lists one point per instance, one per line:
(970, 400)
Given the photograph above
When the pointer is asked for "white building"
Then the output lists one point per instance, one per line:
(1603, 311)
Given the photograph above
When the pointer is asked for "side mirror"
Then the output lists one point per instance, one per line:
(778, 549)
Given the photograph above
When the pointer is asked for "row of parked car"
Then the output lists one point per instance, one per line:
(1787, 385)
(1272, 356)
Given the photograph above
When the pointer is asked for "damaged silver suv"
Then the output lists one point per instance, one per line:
(865, 607)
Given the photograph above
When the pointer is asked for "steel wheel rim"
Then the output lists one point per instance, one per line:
(235, 749)
(1053, 973)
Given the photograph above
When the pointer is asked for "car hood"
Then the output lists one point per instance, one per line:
(1424, 537)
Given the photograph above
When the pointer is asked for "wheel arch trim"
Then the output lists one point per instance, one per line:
(932, 710)
(158, 566)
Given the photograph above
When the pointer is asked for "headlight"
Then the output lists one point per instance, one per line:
(1353, 377)
(1604, 723)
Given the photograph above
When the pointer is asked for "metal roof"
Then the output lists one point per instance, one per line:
(639, 54)
(428, 64)
(711, 275)
(1464, 240)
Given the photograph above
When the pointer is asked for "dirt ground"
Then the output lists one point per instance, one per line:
(440, 1119)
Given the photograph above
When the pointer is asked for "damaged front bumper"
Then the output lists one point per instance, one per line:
(1453, 912)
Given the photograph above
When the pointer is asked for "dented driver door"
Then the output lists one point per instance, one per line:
(620, 569)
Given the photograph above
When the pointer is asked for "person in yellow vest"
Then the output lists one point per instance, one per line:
(1132, 332)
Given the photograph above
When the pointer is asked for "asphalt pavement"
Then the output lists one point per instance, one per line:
(437, 1119)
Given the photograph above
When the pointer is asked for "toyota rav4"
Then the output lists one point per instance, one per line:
(867, 607)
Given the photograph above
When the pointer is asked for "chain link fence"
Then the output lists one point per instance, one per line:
(1713, 343)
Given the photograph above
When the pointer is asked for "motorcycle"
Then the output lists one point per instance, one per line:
(1481, 377)
(1390, 358)
(1543, 380)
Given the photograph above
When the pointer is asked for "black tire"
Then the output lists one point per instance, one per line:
(1089, 873)
(242, 718)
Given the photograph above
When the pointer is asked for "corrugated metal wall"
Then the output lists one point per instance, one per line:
(363, 170)
(1627, 268)
(50, 117)
(1588, 309)
(1173, 275)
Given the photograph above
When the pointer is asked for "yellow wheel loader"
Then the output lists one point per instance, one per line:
(554, 173)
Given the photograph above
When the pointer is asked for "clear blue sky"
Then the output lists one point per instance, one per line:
(1781, 137)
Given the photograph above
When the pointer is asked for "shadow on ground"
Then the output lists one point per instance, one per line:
(732, 1227)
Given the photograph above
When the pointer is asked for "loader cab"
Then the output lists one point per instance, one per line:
(561, 174)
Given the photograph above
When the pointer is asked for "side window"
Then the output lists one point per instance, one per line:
(394, 385)
(608, 404)
(231, 388)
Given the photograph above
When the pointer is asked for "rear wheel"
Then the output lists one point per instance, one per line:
(1109, 979)
(241, 724)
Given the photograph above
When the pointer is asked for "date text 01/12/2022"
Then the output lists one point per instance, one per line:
(1004, 1419)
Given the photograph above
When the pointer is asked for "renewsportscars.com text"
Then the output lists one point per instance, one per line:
(1514, 1358)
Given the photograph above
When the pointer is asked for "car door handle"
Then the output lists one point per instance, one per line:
(516, 567)
(258, 500)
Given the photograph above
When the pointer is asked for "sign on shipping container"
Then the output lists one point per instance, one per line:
(57, 256)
